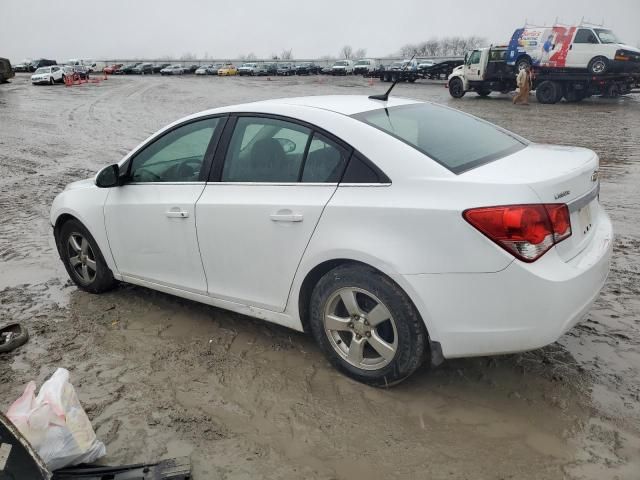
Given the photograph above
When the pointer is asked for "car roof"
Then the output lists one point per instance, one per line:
(342, 104)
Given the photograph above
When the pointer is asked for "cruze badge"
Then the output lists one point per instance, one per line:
(562, 194)
(594, 176)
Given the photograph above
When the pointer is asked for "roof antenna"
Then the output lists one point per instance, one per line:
(385, 96)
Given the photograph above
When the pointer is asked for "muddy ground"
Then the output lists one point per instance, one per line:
(160, 376)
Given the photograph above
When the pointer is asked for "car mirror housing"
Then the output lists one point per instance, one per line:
(108, 176)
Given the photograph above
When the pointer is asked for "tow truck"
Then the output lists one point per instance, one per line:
(485, 70)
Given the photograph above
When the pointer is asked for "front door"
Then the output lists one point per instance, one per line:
(150, 220)
(583, 49)
(473, 71)
(256, 219)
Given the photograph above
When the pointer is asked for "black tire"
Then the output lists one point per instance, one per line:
(548, 92)
(409, 336)
(612, 91)
(51, 81)
(483, 93)
(103, 278)
(598, 66)
(523, 62)
(456, 88)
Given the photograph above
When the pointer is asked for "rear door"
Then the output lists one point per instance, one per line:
(271, 182)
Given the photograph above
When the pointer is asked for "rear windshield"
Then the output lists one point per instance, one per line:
(454, 139)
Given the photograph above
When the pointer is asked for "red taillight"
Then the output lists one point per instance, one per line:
(525, 231)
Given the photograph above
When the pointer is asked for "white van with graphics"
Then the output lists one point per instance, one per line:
(593, 48)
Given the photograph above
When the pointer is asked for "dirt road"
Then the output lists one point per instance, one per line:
(160, 376)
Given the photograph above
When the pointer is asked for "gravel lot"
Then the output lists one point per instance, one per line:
(160, 376)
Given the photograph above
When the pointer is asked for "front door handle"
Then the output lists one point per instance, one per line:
(177, 213)
(286, 216)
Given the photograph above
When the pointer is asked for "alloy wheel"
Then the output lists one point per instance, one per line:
(81, 258)
(360, 328)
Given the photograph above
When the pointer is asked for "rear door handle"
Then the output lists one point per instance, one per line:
(286, 216)
(177, 213)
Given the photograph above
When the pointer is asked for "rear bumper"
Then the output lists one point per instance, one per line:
(523, 307)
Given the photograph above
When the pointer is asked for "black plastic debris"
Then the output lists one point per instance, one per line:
(169, 469)
(12, 336)
(18, 461)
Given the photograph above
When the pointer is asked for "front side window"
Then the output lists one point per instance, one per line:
(265, 150)
(454, 139)
(176, 156)
(474, 58)
(585, 35)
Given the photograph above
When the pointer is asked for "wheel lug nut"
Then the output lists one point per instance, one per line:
(368, 334)
(358, 336)
(366, 322)
(351, 325)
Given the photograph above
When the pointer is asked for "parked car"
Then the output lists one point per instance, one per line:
(143, 69)
(203, 70)
(342, 67)
(23, 66)
(596, 49)
(6, 72)
(410, 65)
(213, 70)
(111, 69)
(191, 68)
(127, 69)
(159, 66)
(365, 66)
(172, 70)
(227, 70)
(307, 68)
(247, 69)
(271, 68)
(375, 273)
(75, 71)
(50, 75)
(41, 62)
(326, 70)
(286, 69)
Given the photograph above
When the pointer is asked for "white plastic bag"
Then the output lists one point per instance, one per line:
(55, 424)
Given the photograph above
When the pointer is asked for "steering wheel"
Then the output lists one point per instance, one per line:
(148, 172)
(188, 168)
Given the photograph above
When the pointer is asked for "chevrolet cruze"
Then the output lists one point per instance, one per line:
(396, 232)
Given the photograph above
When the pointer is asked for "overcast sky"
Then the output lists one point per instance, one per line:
(122, 29)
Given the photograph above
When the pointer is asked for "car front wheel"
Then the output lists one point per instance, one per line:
(82, 258)
(367, 326)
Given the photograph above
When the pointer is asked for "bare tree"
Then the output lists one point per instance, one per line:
(286, 55)
(346, 52)
(188, 56)
(360, 53)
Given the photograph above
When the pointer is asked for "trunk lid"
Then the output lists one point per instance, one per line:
(557, 174)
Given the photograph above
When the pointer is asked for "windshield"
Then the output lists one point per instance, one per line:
(607, 36)
(362, 62)
(341, 64)
(43, 70)
(454, 139)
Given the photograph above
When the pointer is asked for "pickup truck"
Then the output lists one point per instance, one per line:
(487, 70)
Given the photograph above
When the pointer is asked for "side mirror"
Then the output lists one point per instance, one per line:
(108, 176)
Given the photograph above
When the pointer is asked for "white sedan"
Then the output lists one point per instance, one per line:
(393, 231)
(49, 75)
(172, 70)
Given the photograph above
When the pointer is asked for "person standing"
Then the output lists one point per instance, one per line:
(523, 81)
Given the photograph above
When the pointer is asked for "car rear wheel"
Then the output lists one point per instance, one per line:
(367, 326)
(82, 258)
(548, 92)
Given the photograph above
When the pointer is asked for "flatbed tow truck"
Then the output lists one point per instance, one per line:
(485, 70)
(399, 72)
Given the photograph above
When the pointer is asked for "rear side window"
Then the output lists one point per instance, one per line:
(325, 161)
(454, 139)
